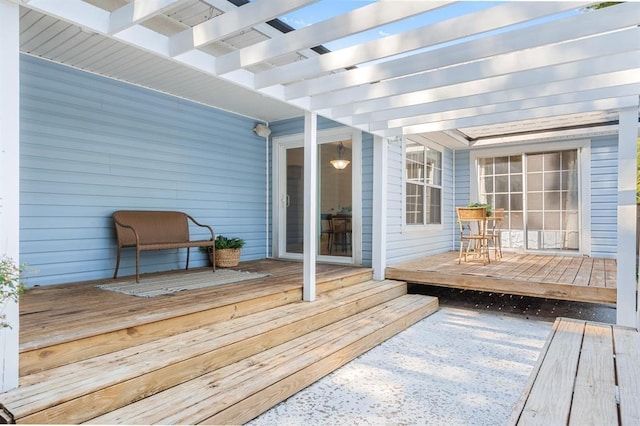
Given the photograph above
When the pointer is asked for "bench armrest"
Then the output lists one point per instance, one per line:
(203, 226)
(124, 225)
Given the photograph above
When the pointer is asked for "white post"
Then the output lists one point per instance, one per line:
(9, 177)
(379, 237)
(310, 245)
(626, 310)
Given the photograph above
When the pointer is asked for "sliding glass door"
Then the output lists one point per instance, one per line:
(540, 195)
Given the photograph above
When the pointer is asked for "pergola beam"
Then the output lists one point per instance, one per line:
(517, 115)
(232, 21)
(573, 27)
(555, 75)
(539, 58)
(138, 11)
(523, 104)
(362, 19)
(493, 18)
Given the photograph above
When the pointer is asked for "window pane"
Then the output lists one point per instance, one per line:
(551, 161)
(516, 202)
(515, 164)
(486, 166)
(552, 181)
(487, 185)
(433, 203)
(502, 183)
(569, 159)
(534, 162)
(414, 204)
(534, 201)
(552, 200)
(534, 181)
(534, 221)
(516, 183)
(502, 165)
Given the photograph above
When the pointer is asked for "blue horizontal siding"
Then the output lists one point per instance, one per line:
(604, 196)
(91, 145)
(405, 243)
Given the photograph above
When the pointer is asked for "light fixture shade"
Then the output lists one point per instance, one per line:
(340, 163)
(262, 130)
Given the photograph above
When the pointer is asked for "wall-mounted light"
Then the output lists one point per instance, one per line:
(340, 163)
(262, 130)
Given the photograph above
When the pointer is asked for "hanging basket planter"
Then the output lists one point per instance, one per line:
(227, 258)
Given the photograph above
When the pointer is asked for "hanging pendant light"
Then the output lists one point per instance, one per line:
(340, 163)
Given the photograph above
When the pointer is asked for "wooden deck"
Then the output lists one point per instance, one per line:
(587, 374)
(220, 355)
(582, 279)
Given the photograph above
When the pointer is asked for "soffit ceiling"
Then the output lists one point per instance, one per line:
(514, 68)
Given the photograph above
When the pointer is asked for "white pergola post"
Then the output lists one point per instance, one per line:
(626, 309)
(379, 237)
(310, 245)
(9, 177)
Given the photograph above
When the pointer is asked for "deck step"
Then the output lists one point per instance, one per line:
(241, 391)
(63, 351)
(86, 389)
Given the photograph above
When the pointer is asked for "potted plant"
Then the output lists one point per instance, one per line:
(11, 286)
(227, 251)
(480, 205)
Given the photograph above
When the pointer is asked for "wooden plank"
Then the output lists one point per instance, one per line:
(594, 399)
(508, 286)
(550, 399)
(611, 272)
(627, 349)
(194, 401)
(524, 395)
(558, 270)
(570, 273)
(157, 365)
(583, 276)
(252, 406)
(597, 277)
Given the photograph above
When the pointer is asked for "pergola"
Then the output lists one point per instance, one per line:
(525, 69)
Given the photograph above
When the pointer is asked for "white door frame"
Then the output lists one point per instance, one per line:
(280, 145)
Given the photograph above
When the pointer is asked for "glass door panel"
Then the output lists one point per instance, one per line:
(335, 192)
(294, 200)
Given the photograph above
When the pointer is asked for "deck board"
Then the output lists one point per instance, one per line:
(576, 278)
(82, 310)
(582, 368)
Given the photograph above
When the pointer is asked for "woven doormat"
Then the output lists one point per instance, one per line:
(150, 287)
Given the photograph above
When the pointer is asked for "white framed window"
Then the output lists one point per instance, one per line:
(423, 184)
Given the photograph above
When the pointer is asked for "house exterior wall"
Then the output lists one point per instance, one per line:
(410, 242)
(91, 145)
(604, 196)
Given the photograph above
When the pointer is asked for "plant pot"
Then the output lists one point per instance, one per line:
(226, 258)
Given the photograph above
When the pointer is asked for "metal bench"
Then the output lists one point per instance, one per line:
(156, 230)
(587, 374)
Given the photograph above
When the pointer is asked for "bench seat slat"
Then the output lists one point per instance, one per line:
(161, 246)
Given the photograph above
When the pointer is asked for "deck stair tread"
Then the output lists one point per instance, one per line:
(213, 397)
(64, 394)
(228, 303)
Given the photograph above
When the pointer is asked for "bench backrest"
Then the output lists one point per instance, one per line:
(153, 227)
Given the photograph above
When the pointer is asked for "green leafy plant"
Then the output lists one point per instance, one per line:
(223, 242)
(11, 285)
(479, 205)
